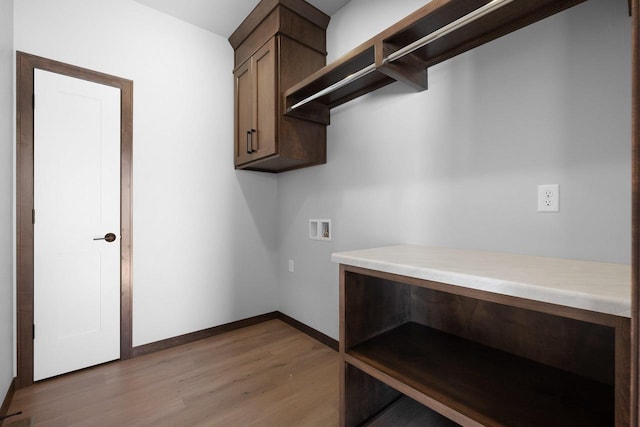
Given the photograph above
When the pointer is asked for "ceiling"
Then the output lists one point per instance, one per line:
(222, 16)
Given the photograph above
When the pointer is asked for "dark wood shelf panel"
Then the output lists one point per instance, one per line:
(492, 387)
(412, 69)
(318, 110)
(504, 20)
(406, 412)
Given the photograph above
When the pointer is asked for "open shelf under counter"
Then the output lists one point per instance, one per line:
(482, 384)
(483, 338)
(406, 412)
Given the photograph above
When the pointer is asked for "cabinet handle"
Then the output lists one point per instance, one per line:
(249, 143)
(252, 132)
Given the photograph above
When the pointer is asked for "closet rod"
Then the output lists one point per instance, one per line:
(337, 85)
(441, 32)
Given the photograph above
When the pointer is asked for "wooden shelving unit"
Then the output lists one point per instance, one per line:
(412, 68)
(469, 350)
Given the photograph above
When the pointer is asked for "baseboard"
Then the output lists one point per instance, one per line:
(4, 409)
(141, 350)
(198, 335)
(313, 333)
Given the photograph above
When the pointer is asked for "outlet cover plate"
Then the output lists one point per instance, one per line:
(549, 198)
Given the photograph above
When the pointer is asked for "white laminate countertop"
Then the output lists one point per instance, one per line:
(595, 286)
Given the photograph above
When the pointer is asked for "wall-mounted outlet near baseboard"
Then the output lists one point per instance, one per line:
(549, 198)
(320, 229)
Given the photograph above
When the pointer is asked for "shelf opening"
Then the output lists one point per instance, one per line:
(449, 28)
(339, 84)
(387, 407)
(483, 384)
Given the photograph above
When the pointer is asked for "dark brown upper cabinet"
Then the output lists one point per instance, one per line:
(280, 43)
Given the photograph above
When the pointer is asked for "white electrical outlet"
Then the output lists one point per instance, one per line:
(549, 198)
(290, 266)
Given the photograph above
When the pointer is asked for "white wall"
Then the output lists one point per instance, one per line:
(205, 241)
(454, 166)
(459, 164)
(6, 195)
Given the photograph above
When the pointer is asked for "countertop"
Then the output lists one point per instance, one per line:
(595, 286)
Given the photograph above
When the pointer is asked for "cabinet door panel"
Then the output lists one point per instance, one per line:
(244, 113)
(266, 108)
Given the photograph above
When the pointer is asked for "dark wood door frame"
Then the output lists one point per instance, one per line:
(635, 234)
(26, 64)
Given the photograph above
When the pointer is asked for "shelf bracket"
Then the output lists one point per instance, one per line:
(409, 69)
(313, 111)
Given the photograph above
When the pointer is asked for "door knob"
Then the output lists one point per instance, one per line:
(109, 237)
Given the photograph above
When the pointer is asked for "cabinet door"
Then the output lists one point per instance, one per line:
(243, 113)
(265, 115)
(256, 112)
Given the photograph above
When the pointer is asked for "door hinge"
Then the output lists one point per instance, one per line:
(33, 216)
(33, 331)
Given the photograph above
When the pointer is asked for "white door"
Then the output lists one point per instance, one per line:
(76, 200)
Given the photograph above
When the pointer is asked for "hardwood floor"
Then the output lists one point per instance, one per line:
(268, 374)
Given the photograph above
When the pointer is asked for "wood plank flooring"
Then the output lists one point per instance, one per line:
(268, 374)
